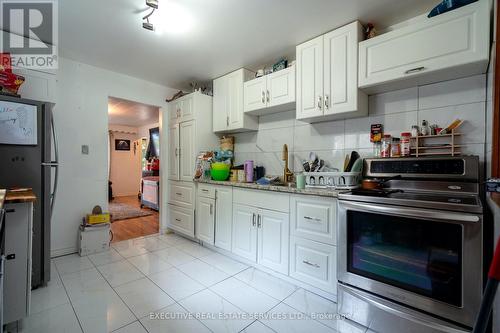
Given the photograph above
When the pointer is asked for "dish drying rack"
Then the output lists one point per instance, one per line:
(333, 180)
(449, 147)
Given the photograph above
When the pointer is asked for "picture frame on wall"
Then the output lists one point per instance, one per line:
(122, 144)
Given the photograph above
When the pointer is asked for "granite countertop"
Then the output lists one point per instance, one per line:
(20, 196)
(275, 188)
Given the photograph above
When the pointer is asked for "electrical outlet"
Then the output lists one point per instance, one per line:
(85, 149)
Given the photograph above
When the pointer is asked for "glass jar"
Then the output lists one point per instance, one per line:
(405, 144)
(395, 147)
(415, 131)
(386, 146)
(377, 149)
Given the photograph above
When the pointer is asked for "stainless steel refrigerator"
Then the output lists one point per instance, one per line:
(29, 158)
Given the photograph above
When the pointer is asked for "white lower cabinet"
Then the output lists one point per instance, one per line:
(272, 236)
(205, 219)
(181, 220)
(261, 235)
(223, 217)
(244, 241)
(314, 263)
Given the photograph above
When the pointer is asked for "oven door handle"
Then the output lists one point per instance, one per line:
(386, 308)
(410, 212)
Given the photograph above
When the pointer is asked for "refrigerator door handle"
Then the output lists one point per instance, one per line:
(54, 164)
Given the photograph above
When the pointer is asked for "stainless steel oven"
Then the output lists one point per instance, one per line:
(413, 256)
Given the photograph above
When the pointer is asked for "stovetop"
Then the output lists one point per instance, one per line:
(468, 203)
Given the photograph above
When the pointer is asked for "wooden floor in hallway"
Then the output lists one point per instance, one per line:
(136, 227)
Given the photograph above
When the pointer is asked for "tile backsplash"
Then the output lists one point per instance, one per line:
(439, 103)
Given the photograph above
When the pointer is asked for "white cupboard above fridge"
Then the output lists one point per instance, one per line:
(426, 50)
(228, 114)
(270, 93)
(327, 76)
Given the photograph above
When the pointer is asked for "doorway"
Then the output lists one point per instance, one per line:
(133, 168)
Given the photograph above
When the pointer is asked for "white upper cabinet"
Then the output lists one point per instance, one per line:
(271, 93)
(310, 79)
(327, 76)
(228, 115)
(182, 109)
(447, 46)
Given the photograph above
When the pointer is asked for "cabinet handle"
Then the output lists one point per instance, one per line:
(320, 103)
(312, 218)
(415, 70)
(253, 220)
(268, 96)
(179, 151)
(263, 97)
(204, 190)
(227, 121)
(327, 102)
(178, 193)
(10, 210)
(178, 220)
(310, 263)
(176, 152)
(259, 222)
(211, 209)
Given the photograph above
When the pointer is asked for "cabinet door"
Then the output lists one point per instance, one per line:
(244, 241)
(310, 78)
(273, 240)
(223, 217)
(205, 218)
(281, 87)
(187, 153)
(220, 104)
(175, 111)
(341, 69)
(235, 99)
(173, 152)
(181, 220)
(186, 109)
(254, 92)
(447, 46)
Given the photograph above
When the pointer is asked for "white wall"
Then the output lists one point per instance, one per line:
(397, 110)
(125, 168)
(81, 115)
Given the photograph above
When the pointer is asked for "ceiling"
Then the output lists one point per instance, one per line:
(225, 34)
(128, 113)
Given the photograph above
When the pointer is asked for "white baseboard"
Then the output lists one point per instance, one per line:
(63, 252)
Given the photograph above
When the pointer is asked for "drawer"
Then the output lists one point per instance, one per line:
(181, 220)
(181, 194)
(314, 218)
(314, 263)
(262, 199)
(207, 191)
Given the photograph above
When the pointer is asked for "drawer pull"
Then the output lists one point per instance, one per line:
(178, 193)
(415, 70)
(253, 220)
(259, 223)
(204, 190)
(178, 220)
(310, 263)
(312, 218)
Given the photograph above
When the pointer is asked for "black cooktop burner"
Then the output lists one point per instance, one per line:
(375, 192)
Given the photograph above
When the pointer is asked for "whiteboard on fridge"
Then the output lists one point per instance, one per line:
(18, 123)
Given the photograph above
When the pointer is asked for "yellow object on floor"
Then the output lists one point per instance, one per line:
(98, 218)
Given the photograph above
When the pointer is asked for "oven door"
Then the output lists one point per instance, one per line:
(430, 260)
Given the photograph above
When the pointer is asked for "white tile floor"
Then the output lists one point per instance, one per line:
(169, 284)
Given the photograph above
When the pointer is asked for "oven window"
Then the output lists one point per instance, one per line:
(421, 256)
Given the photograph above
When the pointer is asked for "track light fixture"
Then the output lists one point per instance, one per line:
(153, 4)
